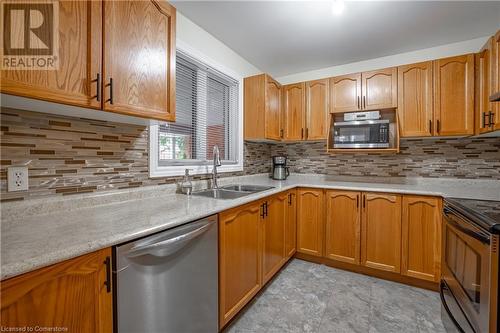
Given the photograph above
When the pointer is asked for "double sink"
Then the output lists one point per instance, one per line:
(232, 191)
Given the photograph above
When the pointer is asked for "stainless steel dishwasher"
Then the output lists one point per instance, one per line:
(168, 282)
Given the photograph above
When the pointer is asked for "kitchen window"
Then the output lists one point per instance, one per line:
(208, 113)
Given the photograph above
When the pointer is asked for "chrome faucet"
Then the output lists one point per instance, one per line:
(217, 163)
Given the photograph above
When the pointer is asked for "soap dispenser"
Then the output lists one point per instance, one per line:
(186, 185)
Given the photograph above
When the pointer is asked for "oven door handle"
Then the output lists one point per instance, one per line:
(455, 221)
(445, 305)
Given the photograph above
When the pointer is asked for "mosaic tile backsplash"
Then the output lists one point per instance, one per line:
(67, 156)
(450, 158)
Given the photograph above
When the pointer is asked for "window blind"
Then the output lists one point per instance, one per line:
(206, 115)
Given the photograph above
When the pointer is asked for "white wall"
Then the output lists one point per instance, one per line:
(432, 53)
(192, 36)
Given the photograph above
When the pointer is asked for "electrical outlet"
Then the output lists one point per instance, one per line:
(17, 179)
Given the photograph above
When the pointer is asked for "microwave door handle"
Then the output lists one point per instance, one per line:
(454, 220)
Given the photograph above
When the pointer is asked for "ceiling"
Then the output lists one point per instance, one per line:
(287, 37)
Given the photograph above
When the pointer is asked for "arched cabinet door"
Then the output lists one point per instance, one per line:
(345, 93)
(381, 231)
(343, 225)
(139, 58)
(273, 236)
(317, 109)
(380, 89)
(421, 237)
(293, 111)
(454, 95)
(273, 109)
(310, 224)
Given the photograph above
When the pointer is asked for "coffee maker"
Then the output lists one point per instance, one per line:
(280, 170)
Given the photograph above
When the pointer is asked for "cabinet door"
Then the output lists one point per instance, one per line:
(79, 56)
(343, 222)
(291, 224)
(483, 71)
(316, 110)
(273, 236)
(495, 78)
(345, 93)
(310, 224)
(273, 109)
(70, 294)
(139, 58)
(239, 258)
(421, 237)
(379, 89)
(454, 95)
(415, 99)
(293, 111)
(381, 231)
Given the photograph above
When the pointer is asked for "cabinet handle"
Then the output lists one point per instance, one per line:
(364, 102)
(302, 133)
(110, 84)
(364, 201)
(307, 133)
(281, 133)
(107, 283)
(98, 84)
(265, 205)
(430, 127)
(438, 126)
(263, 212)
(357, 200)
(289, 199)
(486, 116)
(492, 119)
(359, 106)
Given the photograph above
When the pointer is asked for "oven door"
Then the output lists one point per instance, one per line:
(466, 268)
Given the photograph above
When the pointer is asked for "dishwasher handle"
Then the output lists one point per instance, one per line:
(169, 246)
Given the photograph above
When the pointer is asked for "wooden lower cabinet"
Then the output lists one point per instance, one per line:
(273, 235)
(72, 294)
(310, 221)
(421, 237)
(239, 258)
(343, 226)
(381, 231)
(291, 224)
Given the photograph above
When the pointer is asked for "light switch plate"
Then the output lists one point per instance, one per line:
(17, 179)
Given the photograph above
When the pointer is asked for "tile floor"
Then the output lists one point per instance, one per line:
(307, 297)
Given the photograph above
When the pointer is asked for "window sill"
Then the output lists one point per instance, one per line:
(174, 171)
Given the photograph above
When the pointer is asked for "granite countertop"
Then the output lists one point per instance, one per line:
(41, 232)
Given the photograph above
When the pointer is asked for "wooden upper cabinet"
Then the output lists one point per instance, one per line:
(293, 111)
(495, 77)
(343, 225)
(415, 107)
(74, 82)
(139, 58)
(454, 95)
(310, 221)
(421, 237)
(484, 111)
(381, 231)
(239, 258)
(317, 109)
(273, 236)
(71, 294)
(262, 108)
(379, 89)
(291, 224)
(273, 109)
(345, 93)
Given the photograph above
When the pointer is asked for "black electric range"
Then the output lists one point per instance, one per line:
(484, 213)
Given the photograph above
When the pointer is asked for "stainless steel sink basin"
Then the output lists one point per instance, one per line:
(232, 191)
(247, 188)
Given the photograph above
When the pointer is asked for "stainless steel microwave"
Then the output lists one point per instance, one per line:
(361, 130)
